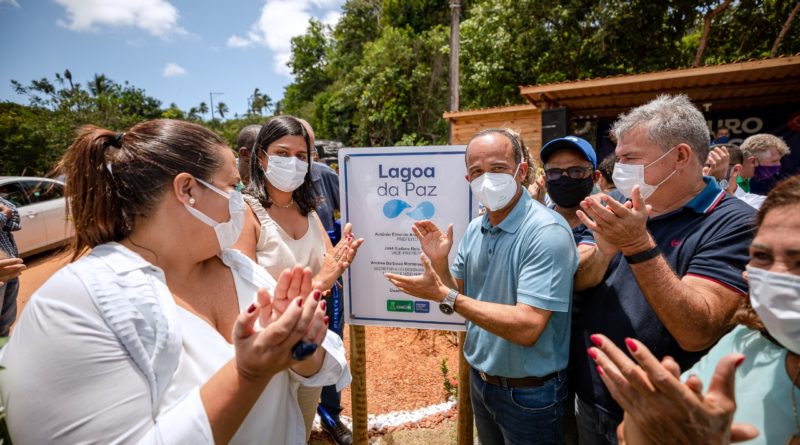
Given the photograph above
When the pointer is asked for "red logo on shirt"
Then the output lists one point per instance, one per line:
(676, 242)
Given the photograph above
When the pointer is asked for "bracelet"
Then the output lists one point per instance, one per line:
(643, 256)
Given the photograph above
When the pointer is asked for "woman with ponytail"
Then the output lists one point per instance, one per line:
(158, 332)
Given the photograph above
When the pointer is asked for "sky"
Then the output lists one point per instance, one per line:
(176, 50)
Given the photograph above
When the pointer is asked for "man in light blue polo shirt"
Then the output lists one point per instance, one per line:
(513, 275)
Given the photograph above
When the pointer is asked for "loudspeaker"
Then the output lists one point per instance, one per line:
(554, 124)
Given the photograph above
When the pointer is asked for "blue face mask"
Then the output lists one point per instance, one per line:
(227, 232)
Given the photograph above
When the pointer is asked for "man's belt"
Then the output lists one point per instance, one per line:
(522, 382)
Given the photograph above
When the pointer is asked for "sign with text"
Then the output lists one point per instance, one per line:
(384, 191)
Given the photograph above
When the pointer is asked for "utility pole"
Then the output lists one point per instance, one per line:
(455, 17)
(464, 434)
(211, 97)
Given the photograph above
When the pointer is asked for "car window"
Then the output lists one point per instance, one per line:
(12, 191)
(41, 191)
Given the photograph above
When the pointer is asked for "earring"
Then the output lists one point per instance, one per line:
(192, 201)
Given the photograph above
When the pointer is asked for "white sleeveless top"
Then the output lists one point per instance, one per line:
(276, 250)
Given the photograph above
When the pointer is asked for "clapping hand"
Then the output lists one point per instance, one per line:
(427, 286)
(435, 243)
(338, 259)
(294, 314)
(623, 226)
(661, 409)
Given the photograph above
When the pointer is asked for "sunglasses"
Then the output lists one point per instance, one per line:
(553, 174)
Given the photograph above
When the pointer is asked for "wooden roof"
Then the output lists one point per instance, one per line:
(729, 86)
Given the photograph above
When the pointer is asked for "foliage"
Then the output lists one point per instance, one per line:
(449, 383)
(380, 76)
(34, 137)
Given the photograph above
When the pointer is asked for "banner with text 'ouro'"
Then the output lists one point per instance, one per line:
(384, 191)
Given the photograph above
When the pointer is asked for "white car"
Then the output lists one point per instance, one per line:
(42, 212)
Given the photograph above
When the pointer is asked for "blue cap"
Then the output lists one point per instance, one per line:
(572, 142)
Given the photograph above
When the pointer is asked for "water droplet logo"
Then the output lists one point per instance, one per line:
(394, 207)
(424, 210)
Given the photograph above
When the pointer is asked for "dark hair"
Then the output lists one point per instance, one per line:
(786, 193)
(521, 152)
(113, 179)
(516, 141)
(247, 136)
(606, 167)
(305, 196)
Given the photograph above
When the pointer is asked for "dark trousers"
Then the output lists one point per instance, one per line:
(8, 309)
(595, 426)
(331, 400)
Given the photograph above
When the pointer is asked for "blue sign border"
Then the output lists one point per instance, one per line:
(347, 209)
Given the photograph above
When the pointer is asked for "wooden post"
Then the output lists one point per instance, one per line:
(464, 430)
(358, 389)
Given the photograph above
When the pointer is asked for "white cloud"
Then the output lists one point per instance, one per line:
(238, 42)
(12, 3)
(174, 70)
(281, 20)
(157, 17)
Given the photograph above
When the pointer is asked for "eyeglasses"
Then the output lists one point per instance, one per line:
(553, 174)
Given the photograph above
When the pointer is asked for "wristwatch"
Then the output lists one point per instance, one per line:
(448, 305)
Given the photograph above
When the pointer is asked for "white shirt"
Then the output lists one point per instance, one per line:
(750, 199)
(102, 354)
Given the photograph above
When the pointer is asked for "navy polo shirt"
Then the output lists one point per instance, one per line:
(708, 238)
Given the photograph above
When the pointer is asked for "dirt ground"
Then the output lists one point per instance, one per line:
(403, 367)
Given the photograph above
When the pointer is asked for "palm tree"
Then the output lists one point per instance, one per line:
(222, 109)
(256, 102)
(192, 114)
(99, 84)
(203, 109)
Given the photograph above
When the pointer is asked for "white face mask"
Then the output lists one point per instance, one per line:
(286, 173)
(776, 299)
(625, 176)
(495, 190)
(227, 232)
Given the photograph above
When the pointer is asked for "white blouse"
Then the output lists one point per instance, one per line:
(276, 250)
(102, 354)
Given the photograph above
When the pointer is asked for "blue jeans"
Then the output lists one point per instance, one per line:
(595, 426)
(517, 416)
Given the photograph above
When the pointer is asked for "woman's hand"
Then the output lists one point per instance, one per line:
(661, 409)
(296, 313)
(338, 259)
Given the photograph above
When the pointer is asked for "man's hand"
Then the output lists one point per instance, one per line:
(623, 226)
(717, 163)
(10, 268)
(661, 409)
(6, 211)
(435, 244)
(537, 189)
(427, 286)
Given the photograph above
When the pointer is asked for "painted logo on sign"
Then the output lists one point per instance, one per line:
(396, 207)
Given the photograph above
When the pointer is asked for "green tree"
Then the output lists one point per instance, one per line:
(222, 108)
(202, 109)
(46, 127)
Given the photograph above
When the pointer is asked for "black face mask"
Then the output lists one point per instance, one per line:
(568, 192)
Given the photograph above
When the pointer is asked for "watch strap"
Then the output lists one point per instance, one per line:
(643, 256)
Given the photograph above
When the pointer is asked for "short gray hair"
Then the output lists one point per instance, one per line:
(669, 121)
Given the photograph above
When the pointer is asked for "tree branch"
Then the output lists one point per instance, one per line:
(774, 51)
(698, 57)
